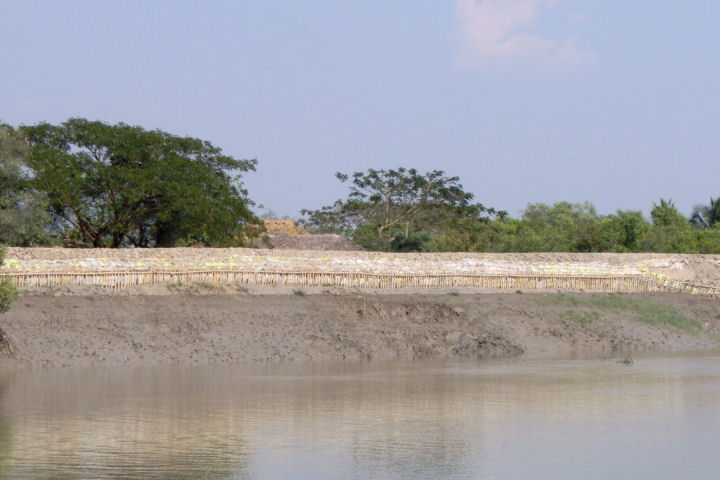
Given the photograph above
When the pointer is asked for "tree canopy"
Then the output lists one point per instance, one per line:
(23, 216)
(116, 185)
(707, 216)
(666, 214)
(398, 209)
(89, 183)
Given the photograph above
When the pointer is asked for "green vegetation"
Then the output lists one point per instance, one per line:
(8, 292)
(89, 183)
(566, 227)
(399, 210)
(100, 185)
(117, 185)
(583, 317)
(23, 212)
(589, 308)
(388, 214)
(707, 216)
(299, 293)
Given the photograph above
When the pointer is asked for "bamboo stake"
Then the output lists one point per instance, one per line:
(124, 279)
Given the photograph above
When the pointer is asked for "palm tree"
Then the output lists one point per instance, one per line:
(706, 216)
(666, 214)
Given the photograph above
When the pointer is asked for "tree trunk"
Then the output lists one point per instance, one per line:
(117, 239)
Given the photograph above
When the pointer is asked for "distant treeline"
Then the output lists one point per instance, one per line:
(403, 210)
(88, 183)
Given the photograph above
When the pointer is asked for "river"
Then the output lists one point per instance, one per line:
(517, 419)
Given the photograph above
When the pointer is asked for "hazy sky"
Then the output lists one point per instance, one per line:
(615, 102)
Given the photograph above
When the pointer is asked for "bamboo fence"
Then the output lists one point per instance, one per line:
(118, 280)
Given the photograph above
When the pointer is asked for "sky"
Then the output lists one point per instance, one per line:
(527, 101)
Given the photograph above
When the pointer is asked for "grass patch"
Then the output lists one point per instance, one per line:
(196, 288)
(210, 286)
(666, 316)
(583, 317)
(299, 293)
(642, 310)
(454, 294)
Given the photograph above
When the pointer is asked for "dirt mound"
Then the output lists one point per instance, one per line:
(288, 227)
(329, 241)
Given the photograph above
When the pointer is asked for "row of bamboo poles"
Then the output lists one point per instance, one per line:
(125, 279)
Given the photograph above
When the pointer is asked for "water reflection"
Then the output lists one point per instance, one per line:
(578, 419)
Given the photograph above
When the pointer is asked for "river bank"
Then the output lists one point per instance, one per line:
(198, 325)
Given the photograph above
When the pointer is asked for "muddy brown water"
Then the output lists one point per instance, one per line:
(511, 419)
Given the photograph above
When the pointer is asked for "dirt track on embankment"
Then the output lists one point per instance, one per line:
(196, 327)
(704, 269)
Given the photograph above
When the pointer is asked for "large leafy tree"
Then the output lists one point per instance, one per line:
(666, 214)
(626, 231)
(23, 217)
(561, 227)
(399, 209)
(115, 185)
(670, 231)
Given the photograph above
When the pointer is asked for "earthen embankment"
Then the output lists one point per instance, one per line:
(214, 317)
(590, 272)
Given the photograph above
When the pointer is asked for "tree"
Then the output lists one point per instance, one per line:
(562, 227)
(116, 185)
(707, 216)
(400, 208)
(666, 214)
(23, 216)
(626, 231)
(709, 240)
(463, 230)
(8, 292)
(670, 232)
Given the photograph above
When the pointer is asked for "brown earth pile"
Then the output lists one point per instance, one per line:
(288, 235)
(324, 242)
(288, 227)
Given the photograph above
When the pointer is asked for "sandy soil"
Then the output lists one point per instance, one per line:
(197, 327)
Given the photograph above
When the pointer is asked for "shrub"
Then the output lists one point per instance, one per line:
(8, 292)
